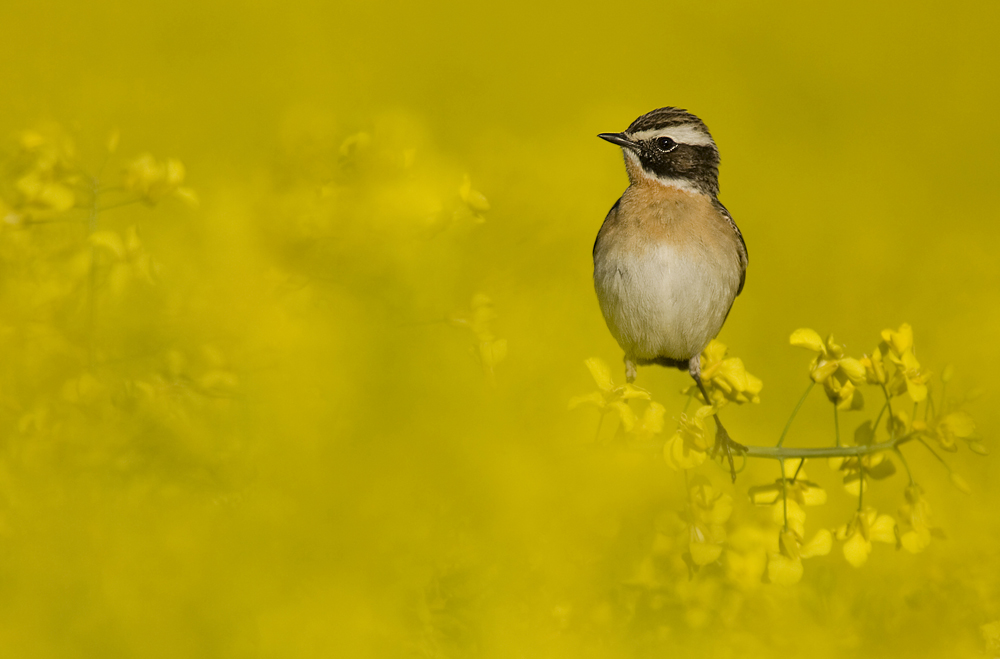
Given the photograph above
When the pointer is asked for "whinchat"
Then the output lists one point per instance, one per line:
(669, 260)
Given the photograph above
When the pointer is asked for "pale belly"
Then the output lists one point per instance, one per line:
(664, 302)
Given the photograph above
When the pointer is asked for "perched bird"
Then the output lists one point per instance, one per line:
(669, 260)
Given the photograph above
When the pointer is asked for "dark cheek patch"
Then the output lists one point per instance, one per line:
(697, 164)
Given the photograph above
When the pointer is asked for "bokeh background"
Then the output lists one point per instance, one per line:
(268, 433)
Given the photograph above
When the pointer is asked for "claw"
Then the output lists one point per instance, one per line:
(724, 443)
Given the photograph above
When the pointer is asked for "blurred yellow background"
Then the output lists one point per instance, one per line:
(259, 426)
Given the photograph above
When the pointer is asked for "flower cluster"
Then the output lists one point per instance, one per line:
(490, 350)
(612, 398)
(725, 378)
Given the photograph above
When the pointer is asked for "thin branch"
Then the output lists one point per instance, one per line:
(802, 400)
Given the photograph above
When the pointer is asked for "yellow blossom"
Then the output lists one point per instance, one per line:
(784, 567)
(801, 489)
(490, 350)
(725, 379)
(609, 397)
(708, 512)
(908, 376)
(651, 422)
(914, 517)
(838, 374)
(687, 447)
(864, 528)
(155, 180)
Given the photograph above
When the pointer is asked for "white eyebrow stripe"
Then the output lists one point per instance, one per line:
(680, 134)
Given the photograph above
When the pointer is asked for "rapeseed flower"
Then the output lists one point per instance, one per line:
(725, 378)
(838, 374)
(610, 397)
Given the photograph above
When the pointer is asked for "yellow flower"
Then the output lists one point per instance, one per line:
(491, 350)
(725, 379)
(876, 466)
(687, 447)
(858, 534)
(155, 180)
(784, 567)
(707, 516)
(874, 368)
(651, 422)
(609, 397)
(801, 490)
(944, 430)
(908, 376)
(916, 515)
(838, 374)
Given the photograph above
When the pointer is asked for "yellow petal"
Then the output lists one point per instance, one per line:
(822, 370)
(820, 545)
(915, 541)
(883, 530)
(784, 571)
(901, 340)
(813, 495)
(629, 391)
(856, 549)
(765, 495)
(652, 418)
(807, 338)
(679, 457)
(600, 372)
(703, 553)
(721, 510)
(853, 369)
(625, 413)
(595, 399)
(917, 390)
(959, 424)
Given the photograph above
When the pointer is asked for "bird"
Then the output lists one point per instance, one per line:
(669, 259)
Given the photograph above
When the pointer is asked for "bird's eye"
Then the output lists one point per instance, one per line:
(665, 143)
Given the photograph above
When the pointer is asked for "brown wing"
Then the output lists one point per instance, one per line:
(743, 255)
(614, 209)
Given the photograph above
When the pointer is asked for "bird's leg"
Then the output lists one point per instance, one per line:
(722, 440)
(630, 370)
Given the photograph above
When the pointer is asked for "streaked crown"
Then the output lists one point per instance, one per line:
(673, 146)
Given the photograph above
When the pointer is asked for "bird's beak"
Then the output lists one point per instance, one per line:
(618, 138)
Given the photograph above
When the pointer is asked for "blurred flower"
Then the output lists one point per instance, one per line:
(784, 567)
(707, 514)
(155, 180)
(688, 447)
(944, 430)
(491, 350)
(474, 199)
(915, 517)
(839, 375)
(800, 491)
(907, 377)
(864, 528)
(651, 422)
(609, 397)
(725, 379)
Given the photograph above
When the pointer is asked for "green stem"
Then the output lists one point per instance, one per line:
(802, 400)
(861, 484)
(888, 403)
(902, 459)
(836, 423)
(784, 490)
(878, 419)
(781, 453)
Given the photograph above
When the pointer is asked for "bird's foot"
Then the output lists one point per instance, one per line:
(724, 445)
